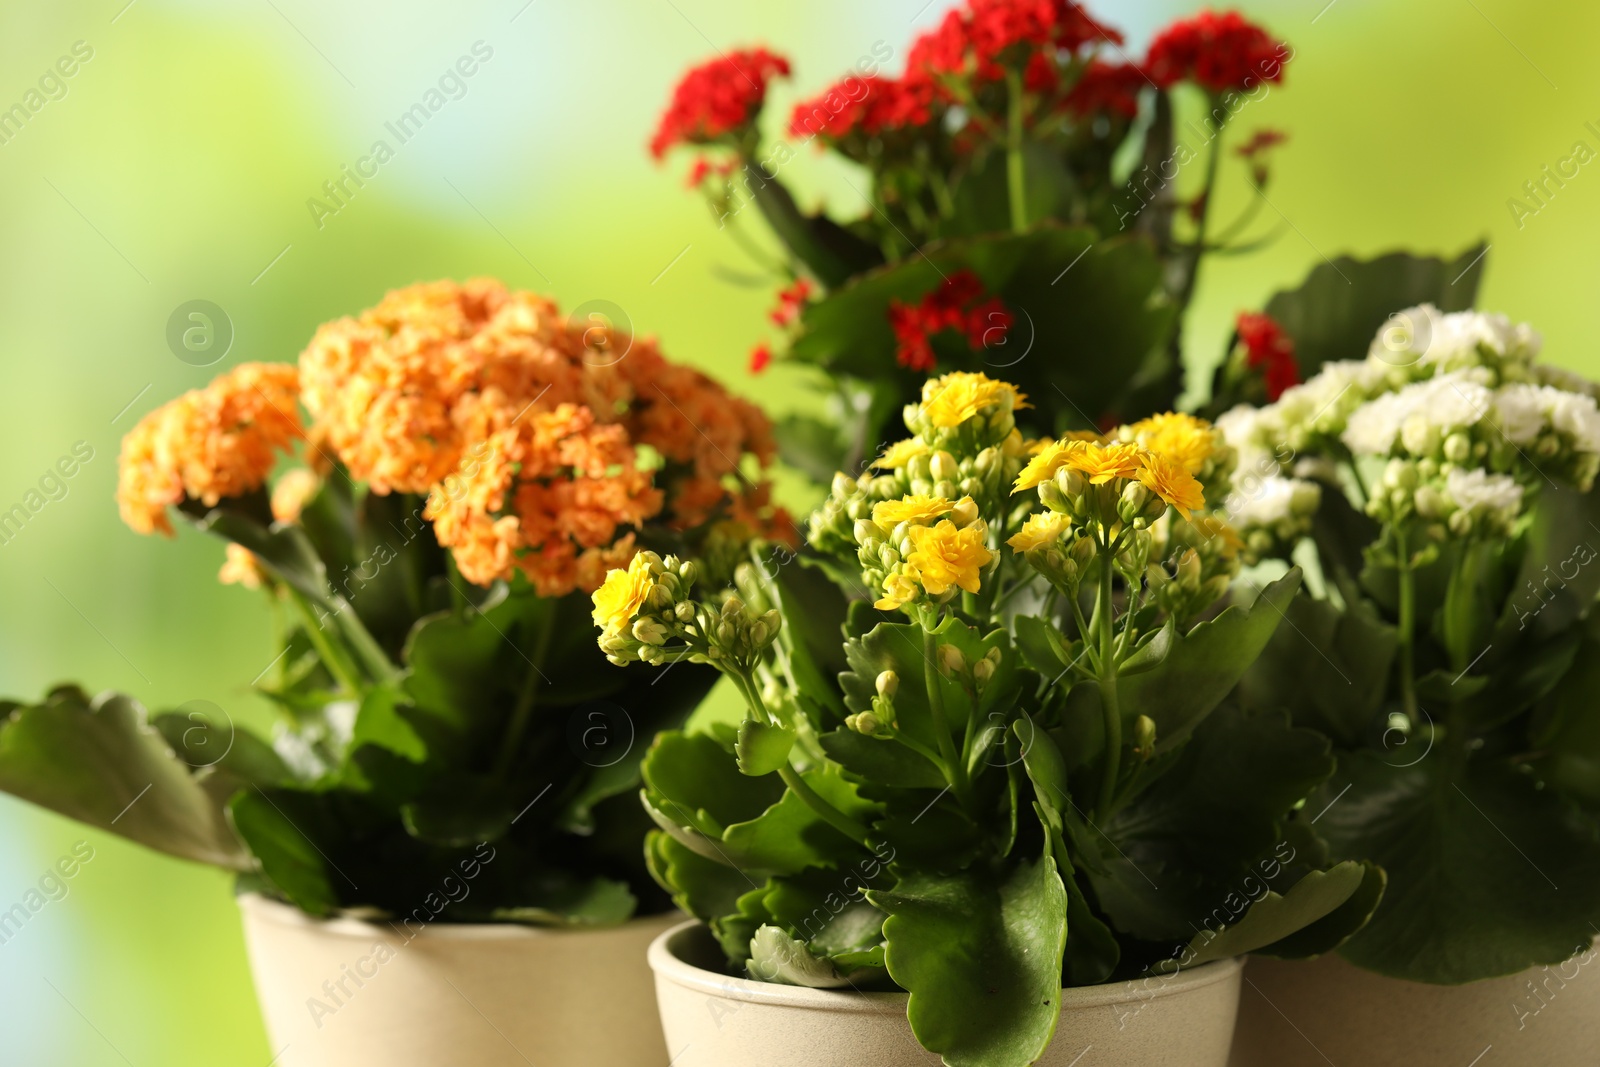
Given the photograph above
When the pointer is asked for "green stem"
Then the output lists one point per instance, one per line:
(523, 712)
(941, 729)
(332, 656)
(1197, 249)
(1016, 175)
(826, 811)
(1408, 622)
(1104, 613)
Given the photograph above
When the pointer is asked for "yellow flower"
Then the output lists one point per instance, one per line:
(1048, 458)
(1184, 439)
(899, 589)
(1101, 463)
(1171, 483)
(1217, 533)
(900, 453)
(1043, 528)
(944, 556)
(292, 492)
(240, 567)
(916, 509)
(953, 399)
(621, 595)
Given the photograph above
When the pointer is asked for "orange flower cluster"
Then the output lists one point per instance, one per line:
(542, 444)
(210, 443)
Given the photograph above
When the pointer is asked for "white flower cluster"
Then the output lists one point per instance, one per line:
(1449, 416)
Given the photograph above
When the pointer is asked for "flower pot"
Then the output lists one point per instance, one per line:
(347, 993)
(1330, 1011)
(714, 1020)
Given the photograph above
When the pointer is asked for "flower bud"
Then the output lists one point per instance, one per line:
(867, 530)
(1144, 737)
(951, 661)
(649, 631)
(943, 466)
(1458, 448)
(888, 683)
(965, 512)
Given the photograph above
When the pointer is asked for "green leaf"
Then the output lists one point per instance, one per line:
(292, 862)
(881, 761)
(704, 888)
(1488, 873)
(1174, 854)
(1328, 668)
(102, 763)
(1200, 667)
(832, 253)
(1275, 917)
(459, 810)
(1335, 928)
(694, 775)
(762, 747)
(981, 956)
(777, 957)
(810, 445)
(1342, 304)
(1558, 580)
(583, 902)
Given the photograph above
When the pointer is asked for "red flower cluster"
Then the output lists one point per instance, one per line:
(991, 34)
(957, 304)
(1112, 88)
(717, 98)
(760, 357)
(791, 299)
(1215, 51)
(872, 106)
(704, 168)
(1268, 349)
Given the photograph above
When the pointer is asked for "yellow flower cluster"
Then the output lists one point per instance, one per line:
(211, 443)
(954, 398)
(943, 547)
(1101, 464)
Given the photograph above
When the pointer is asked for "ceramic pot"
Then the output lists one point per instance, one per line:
(347, 993)
(1311, 1014)
(714, 1020)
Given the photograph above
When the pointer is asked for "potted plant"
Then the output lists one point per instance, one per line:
(988, 784)
(1440, 487)
(1022, 186)
(439, 854)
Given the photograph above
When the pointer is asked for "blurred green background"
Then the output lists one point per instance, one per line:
(178, 164)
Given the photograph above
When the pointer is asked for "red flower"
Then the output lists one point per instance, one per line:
(717, 98)
(954, 305)
(1268, 349)
(991, 35)
(760, 357)
(1215, 51)
(1112, 88)
(871, 106)
(790, 300)
(1261, 141)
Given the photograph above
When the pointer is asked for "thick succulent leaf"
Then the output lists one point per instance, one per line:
(1175, 852)
(881, 761)
(763, 747)
(1488, 873)
(693, 773)
(813, 446)
(1328, 668)
(777, 957)
(102, 763)
(457, 810)
(1276, 916)
(1339, 308)
(980, 954)
(789, 837)
(828, 250)
(1339, 925)
(1180, 688)
(1556, 582)
(277, 825)
(704, 888)
(578, 903)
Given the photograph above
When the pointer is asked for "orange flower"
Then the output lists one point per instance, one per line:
(1169, 481)
(208, 444)
(548, 496)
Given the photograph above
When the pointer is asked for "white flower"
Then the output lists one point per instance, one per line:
(1271, 502)
(1420, 339)
(1574, 415)
(1243, 428)
(1564, 380)
(1421, 415)
(1519, 413)
(1496, 497)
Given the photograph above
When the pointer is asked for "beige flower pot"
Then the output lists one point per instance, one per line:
(346, 993)
(713, 1020)
(1311, 1014)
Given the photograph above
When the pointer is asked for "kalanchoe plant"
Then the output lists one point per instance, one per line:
(474, 463)
(986, 721)
(1020, 158)
(1442, 485)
